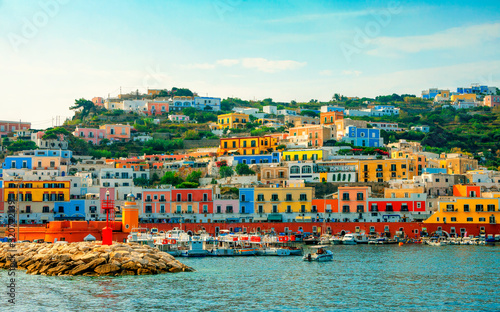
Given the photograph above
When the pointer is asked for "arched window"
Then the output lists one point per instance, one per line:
(306, 169)
(295, 169)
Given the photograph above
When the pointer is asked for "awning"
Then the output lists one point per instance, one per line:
(275, 217)
(218, 219)
(232, 219)
(259, 219)
(302, 219)
(44, 218)
(232, 151)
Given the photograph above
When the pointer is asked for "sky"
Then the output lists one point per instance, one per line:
(55, 51)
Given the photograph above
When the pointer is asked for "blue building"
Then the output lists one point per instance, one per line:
(247, 201)
(327, 109)
(70, 210)
(363, 137)
(17, 162)
(434, 170)
(274, 157)
(66, 154)
(473, 89)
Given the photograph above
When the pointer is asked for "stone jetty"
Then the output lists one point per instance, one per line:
(89, 259)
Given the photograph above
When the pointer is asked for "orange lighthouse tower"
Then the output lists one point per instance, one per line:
(130, 214)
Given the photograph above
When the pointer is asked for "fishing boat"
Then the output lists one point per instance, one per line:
(311, 240)
(195, 247)
(349, 239)
(169, 246)
(321, 255)
(141, 236)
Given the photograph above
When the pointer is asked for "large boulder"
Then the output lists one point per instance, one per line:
(105, 269)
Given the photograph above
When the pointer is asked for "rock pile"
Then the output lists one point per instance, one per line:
(90, 259)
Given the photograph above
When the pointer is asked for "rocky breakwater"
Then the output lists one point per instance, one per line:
(90, 259)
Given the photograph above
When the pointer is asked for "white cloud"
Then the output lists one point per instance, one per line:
(227, 62)
(199, 66)
(351, 72)
(452, 38)
(325, 72)
(260, 64)
(268, 66)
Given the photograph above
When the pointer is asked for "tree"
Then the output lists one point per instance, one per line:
(191, 135)
(141, 182)
(194, 177)
(243, 169)
(226, 171)
(171, 178)
(187, 185)
(309, 113)
(86, 106)
(21, 145)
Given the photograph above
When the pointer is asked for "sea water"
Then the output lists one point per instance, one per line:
(360, 278)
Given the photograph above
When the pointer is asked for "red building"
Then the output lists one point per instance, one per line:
(7, 127)
(189, 201)
(156, 201)
(415, 203)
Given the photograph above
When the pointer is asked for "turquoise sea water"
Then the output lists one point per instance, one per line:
(361, 278)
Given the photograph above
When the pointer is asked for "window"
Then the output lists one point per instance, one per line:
(260, 197)
(243, 197)
(218, 209)
(303, 197)
(345, 208)
(450, 208)
(419, 205)
(345, 196)
(274, 197)
(306, 169)
(466, 208)
(302, 208)
(288, 197)
(149, 209)
(261, 209)
(229, 209)
(179, 197)
(453, 219)
(404, 207)
(295, 169)
(190, 197)
(374, 208)
(482, 219)
(389, 207)
(275, 208)
(289, 209)
(205, 208)
(314, 209)
(360, 208)
(479, 208)
(491, 207)
(178, 209)
(359, 196)
(205, 197)
(162, 209)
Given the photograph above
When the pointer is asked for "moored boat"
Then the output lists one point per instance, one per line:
(321, 255)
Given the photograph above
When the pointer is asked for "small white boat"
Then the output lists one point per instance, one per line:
(325, 239)
(193, 248)
(321, 254)
(349, 239)
(336, 240)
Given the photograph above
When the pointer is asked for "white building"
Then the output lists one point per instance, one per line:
(270, 109)
(423, 129)
(207, 103)
(387, 126)
(287, 112)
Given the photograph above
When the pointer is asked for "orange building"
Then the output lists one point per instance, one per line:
(330, 205)
(329, 118)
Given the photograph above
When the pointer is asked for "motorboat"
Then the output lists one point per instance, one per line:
(141, 236)
(169, 246)
(311, 240)
(325, 239)
(195, 247)
(361, 238)
(294, 251)
(349, 239)
(321, 255)
(336, 240)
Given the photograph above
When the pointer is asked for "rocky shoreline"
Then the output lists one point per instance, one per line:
(89, 259)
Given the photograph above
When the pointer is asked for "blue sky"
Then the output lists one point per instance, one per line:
(54, 51)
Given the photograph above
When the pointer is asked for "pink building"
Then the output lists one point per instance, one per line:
(222, 206)
(117, 132)
(7, 127)
(157, 108)
(156, 201)
(492, 100)
(353, 199)
(98, 101)
(92, 135)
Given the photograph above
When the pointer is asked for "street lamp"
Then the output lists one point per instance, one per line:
(19, 179)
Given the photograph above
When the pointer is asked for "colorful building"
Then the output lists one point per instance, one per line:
(315, 135)
(383, 170)
(7, 127)
(191, 201)
(329, 118)
(246, 201)
(278, 200)
(178, 118)
(247, 145)
(466, 96)
(363, 137)
(117, 132)
(491, 101)
(156, 202)
(232, 120)
(157, 108)
(274, 157)
(92, 135)
(309, 154)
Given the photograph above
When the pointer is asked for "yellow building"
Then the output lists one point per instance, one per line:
(247, 145)
(421, 160)
(454, 163)
(232, 120)
(402, 193)
(37, 191)
(283, 199)
(383, 170)
(309, 154)
(467, 210)
(469, 97)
